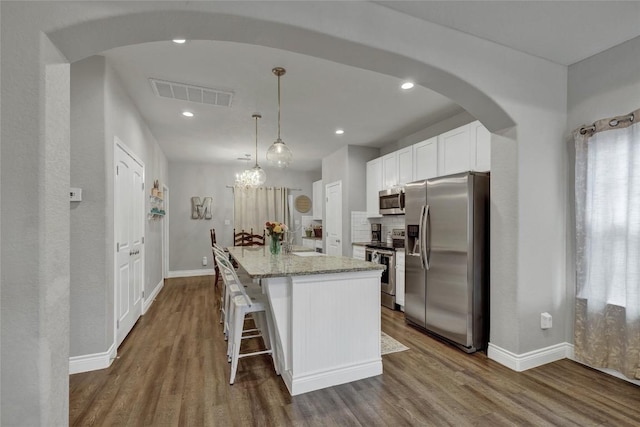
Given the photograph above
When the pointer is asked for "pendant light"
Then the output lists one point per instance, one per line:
(256, 176)
(279, 154)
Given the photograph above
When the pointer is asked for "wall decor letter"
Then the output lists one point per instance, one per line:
(201, 210)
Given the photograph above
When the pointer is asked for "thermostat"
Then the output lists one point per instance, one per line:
(75, 195)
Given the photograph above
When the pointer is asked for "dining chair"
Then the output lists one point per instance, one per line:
(212, 232)
(244, 304)
(244, 238)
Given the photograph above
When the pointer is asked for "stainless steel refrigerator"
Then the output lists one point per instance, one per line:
(447, 258)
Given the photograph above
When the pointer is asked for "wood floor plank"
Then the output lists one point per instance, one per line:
(172, 370)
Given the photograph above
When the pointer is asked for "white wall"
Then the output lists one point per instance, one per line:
(100, 111)
(189, 238)
(604, 85)
(348, 165)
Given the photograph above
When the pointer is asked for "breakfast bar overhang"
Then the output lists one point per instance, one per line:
(326, 312)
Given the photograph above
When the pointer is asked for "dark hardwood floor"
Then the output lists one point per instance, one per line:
(172, 370)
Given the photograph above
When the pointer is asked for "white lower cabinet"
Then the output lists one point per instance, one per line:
(358, 252)
(400, 279)
(308, 243)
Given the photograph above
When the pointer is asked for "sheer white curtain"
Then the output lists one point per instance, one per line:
(255, 206)
(607, 329)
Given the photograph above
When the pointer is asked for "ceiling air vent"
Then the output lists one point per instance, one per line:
(191, 93)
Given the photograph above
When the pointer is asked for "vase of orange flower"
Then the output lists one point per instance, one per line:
(275, 230)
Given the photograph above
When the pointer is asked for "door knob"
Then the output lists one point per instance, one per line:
(337, 240)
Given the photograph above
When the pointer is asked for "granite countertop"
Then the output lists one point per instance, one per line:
(360, 243)
(259, 263)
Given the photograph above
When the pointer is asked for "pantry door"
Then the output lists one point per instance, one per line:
(334, 218)
(129, 235)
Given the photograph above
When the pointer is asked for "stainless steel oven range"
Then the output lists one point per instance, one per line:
(387, 257)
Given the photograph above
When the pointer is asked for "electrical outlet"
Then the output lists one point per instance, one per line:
(204, 260)
(546, 320)
(227, 222)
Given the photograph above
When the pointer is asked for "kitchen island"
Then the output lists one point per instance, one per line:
(326, 313)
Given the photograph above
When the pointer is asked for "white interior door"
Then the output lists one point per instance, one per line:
(334, 219)
(129, 232)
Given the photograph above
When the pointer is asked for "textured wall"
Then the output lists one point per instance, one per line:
(101, 111)
(189, 238)
(89, 293)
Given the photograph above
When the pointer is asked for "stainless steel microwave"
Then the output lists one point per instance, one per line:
(391, 202)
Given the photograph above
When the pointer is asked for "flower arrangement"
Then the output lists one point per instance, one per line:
(275, 227)
(275, 230)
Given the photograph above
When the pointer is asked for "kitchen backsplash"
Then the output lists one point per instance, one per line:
(361, 225)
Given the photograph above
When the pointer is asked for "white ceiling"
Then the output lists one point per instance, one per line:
(319, 96)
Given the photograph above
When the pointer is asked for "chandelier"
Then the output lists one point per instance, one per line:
(256, 176)
(279, 154)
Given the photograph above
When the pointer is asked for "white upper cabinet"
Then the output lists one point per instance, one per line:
(425, 159)
(405, 166)
(467, 148)
(481, 137)
(317, 200)
(374, 185)
(397, 168)
(454, 151)
(390, 170)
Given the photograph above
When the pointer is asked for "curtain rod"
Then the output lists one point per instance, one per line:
(290, 189)
(613, 122)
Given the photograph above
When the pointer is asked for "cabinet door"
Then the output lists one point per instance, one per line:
(405, 166)
(400, 278)
(374, 185)
(308, 243)
(425, 159)
(358, 252)
(454, 151)
(317, 200)
(482, 147)
(390, 170)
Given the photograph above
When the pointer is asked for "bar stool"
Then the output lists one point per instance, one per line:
(244, 304)
(230, 289)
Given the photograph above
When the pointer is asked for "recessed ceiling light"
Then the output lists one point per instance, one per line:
(407, 85)
(187, 113)
(339, 131)
(179, 41)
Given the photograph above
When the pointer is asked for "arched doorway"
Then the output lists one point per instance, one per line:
(94, 30)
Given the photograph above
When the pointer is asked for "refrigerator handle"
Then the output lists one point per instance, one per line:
(424, 234)
(421, 241)
(427, 240)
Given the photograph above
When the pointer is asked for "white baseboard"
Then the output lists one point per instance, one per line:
(146, 303)
(315, 381)
(189, 273)
(92, 362)
(532, 359)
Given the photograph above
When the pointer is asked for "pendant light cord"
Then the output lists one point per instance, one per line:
(256, 140)
(278, 107)
(256, 116)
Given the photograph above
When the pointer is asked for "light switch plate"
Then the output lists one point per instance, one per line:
(75, 194)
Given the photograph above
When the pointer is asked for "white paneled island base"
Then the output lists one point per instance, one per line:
(327, 324)
(328, 328)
